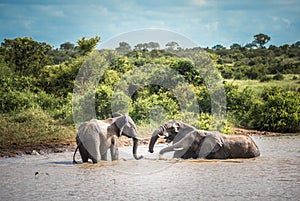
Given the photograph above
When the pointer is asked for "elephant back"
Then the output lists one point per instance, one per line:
(88, 137)
(88, 128)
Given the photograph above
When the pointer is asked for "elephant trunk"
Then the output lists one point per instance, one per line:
(134, 149)
(153, 140)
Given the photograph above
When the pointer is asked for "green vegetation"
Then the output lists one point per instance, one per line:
(37, 81)
(290, 82)
(32, 126)
(275, 109)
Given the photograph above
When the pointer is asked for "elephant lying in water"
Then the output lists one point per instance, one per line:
(95, 137)
(188, 142)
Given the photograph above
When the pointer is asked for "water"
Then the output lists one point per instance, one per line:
(274, 175)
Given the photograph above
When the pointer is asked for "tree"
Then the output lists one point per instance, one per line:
(261, 39)
(297, 44)
(67, 46)
(153, 45)
(172, 45)
(123, 48)
(250, 45)
(26, 56)
(235, 46)
(85, 46)
(218, 47)
(141, 46)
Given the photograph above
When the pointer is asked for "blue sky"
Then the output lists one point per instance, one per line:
(206, 22)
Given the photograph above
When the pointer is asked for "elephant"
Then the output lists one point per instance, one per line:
(95, 137)
(188, 142)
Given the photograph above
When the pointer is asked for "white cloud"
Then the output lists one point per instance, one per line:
(198, 2)
(49, 10)
(103, 11)
(286, 21)
(27, 23)
(212, 26)
(280, 22)
(274, 18)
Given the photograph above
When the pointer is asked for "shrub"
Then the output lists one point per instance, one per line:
(239, 104)
(103, 101)
(32, 126)
(278, 76)
(277, 111)
(146, 104)
(265, 78)
(206, 121)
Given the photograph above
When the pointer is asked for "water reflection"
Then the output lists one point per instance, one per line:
(272, 176)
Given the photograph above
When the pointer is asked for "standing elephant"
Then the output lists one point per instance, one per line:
(188, 142)
(95, 137)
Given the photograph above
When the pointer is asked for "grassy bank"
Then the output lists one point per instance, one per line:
(33, 128)
(290, 82)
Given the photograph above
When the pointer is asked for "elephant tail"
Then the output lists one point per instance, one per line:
(74, 161)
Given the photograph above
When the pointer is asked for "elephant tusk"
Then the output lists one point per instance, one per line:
(178, 149)
(121, 131)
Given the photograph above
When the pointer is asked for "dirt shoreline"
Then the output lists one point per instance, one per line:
(16, 150)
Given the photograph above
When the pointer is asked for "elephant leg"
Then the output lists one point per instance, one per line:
(180, 147)
(114, 151)
(97, 158)
(93, 151)
(179, 154)
(103, 148)
(92, 145)
(83, 153)
(170, 148)
(104, 156)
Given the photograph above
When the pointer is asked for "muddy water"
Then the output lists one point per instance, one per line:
(273, 176)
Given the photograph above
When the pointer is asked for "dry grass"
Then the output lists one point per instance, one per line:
(32, 126)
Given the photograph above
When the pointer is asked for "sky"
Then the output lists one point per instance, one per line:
(204, 22)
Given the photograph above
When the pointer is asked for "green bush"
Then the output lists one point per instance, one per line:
(279, 110)
(145, 103)
(278, 76)
(275, 110)
(103, 101)
(14, 100)
(265, 78)
(239, 104)
(32, 126)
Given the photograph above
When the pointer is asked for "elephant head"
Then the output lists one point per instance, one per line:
(196, 144)
(124, 125)
(168, 130)
(187, 140)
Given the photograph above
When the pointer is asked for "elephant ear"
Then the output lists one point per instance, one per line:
(173, 124)
(211, 143)
(176, 125)
(124, 121)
